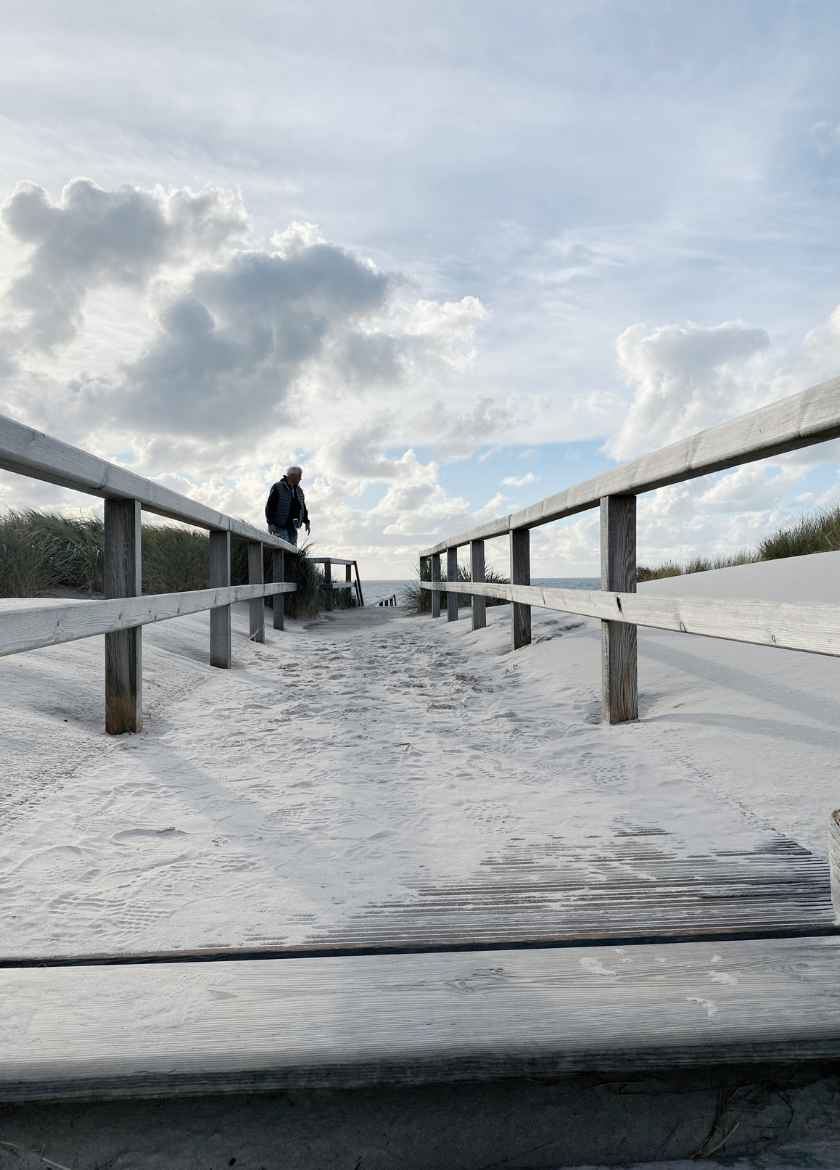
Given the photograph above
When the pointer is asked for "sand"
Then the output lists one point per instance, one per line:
(339, 766)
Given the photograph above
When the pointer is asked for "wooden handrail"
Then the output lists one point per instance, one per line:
(25, 451)
(812, 416)
(120, 618)
(804, 419)
(787, 626)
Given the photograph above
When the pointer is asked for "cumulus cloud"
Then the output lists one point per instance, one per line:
(91, 238)
(231, 344)
(519, 481)
(683, 378)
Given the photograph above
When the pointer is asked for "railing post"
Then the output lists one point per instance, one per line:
(435, 578)
(328, 583)
(479, 604)
(451, 575)
(278, 573)
(520, 574)
(619, 681)
(219, 578)
(123, 567)
(256, 607)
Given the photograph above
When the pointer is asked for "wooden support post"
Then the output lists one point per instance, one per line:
(479, 604)
(123, 563)
(359, 585)
(435, 578)
(328, 589)
(278, 573)
(219, 577)
(348, 577)
(619, 682)
(256, 608)
(451, 575)
(520, 574)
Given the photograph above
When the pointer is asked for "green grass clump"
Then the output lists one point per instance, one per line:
(43, 553)
(810, 534)
(420, 600)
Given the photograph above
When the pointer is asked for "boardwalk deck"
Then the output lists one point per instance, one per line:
(345, 1022)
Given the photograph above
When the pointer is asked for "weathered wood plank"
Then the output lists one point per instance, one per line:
(328, 583)
(278, 573)
(619, 652)
(49, 625)
(341, 1022)
(435, 585)
(479, 603)
(785, 626)
(256, 609)
(123, 577)
(219, 578)
(812, 416)
(520, 574)
(451, 575)
(29, 452)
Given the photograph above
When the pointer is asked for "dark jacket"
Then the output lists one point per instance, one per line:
(278, 506)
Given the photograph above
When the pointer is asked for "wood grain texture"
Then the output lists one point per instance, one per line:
(293, 1023)
(834, 862)
(278, 573)
(435, 585)
(479, 603)
(48, 625)
(29, 452)
(813, 628)
(256, 607)
(812, 416)
(123, 577)
(451, 575)
(619, 653)
(219, 578)
(328, 583)
(520, 574)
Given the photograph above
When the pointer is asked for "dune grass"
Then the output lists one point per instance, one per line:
(811, 534)
(419, 600)
(44, 553)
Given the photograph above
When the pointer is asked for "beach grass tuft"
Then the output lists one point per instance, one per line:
(45, 553)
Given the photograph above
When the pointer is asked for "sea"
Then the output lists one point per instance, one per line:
(376, 591)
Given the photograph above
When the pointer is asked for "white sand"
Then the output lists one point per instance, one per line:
(343, 764)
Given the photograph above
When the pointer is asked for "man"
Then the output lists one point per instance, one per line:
(285, 509)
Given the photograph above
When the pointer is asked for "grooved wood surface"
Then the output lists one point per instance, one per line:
(92, 1031)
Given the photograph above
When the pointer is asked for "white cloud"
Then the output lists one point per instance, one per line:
(91, 238)
(683, 378)
(519, 481)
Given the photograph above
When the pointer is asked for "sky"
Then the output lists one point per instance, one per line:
(450, 257)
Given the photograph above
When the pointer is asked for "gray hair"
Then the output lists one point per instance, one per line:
(293, 469)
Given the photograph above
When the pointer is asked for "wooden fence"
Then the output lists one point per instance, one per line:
(804, 419)
(122, 616)
(347, 583)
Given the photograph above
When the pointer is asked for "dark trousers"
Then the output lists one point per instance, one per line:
(290, 534)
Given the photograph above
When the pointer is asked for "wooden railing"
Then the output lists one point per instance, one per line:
(804, 419)
(121, 617)
(347, 583)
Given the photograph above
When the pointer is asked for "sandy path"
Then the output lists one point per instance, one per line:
(362, 778)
